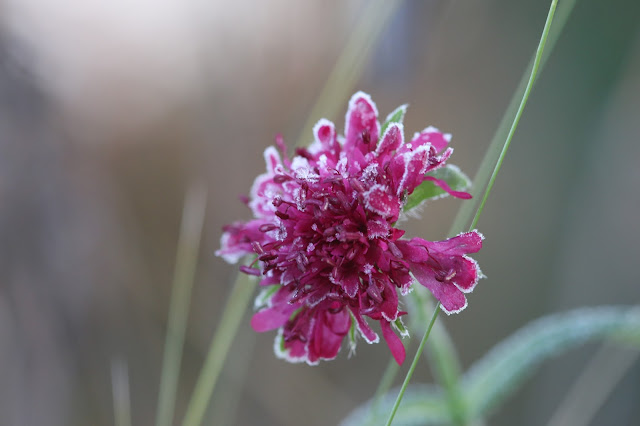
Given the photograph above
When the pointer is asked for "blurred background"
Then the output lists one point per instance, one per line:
(110, 110)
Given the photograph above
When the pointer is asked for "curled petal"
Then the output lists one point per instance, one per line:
(444, 268)
(444, 185)
(325, 139)
(451, 297)
(393, 341)
(367, 332)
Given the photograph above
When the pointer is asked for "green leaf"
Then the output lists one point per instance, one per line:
(428, 190)
(422, 405)
(499, 373)
(395, 117)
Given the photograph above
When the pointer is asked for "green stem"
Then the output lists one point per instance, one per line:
(184, 274)
(514, 125)
(407, 379)
(231, 317)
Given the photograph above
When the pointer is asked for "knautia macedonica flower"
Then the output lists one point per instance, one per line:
(324, 233)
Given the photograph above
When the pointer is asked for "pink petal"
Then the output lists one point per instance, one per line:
(389, 306)
(450, 296)
(367, 333)
(464, 243)
(379, 201)
(272, 158)
(324, 133)
(329, 331)
(391, 140)
(415, 165)
(467, 275)
(361, 124)
(236, 239)
(432, 136)
(393, 341)
(269, 319)
(350, 284)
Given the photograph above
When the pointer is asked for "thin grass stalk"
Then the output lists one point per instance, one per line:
(481, 178)
(120, 392)
(235, 308)
(343, 77)
(186, 261)
(496, 169)
(466, 211)
(350, 63)
(594, 385)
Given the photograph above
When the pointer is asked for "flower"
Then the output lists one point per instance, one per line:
(324, 233)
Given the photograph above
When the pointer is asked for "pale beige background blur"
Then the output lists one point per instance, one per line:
(108, 110)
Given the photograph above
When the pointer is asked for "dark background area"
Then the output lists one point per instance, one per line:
(108, 113)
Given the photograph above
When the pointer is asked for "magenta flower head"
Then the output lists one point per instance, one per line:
(329, 254)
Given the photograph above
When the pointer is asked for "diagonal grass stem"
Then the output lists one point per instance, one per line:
(235, 308)
(186, 260)
(514, 125)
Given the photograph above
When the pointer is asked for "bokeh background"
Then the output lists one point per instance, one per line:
(110, 110)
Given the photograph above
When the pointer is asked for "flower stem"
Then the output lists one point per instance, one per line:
(413, 365)
(231, 317)
(514, 125)
(186, 259)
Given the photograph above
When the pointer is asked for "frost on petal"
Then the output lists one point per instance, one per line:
(237, 238)
(362, 129)
(350, 284)
(432, 136)
(444, 268)
(325, 140)
(379, 201)
(272, 159)
(377, 229)
(366, 332)
(391, 140)
(450, 296)
(307, 175)
(393, 341)
(415, 164)
(293, 351)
